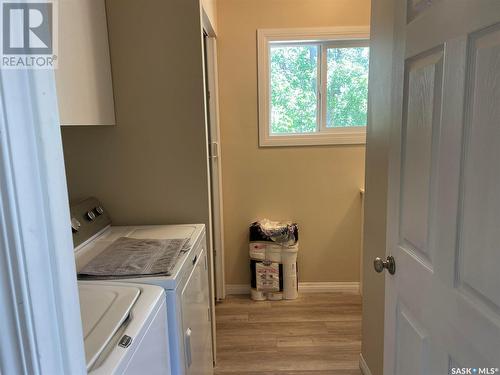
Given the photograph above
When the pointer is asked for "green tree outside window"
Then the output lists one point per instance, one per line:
(294, 87)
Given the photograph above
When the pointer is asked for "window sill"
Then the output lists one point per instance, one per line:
(328, 139)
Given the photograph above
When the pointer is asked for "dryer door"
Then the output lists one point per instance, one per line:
(196, 320)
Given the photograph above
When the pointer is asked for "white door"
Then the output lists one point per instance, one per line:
(443, 302)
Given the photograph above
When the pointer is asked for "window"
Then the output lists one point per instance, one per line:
(313, 86)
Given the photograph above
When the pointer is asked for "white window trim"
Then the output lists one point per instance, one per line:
(329, 137)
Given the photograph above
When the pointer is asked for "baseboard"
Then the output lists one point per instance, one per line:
(232, 289)
(325, 287)
(363, 366)
(306, 287)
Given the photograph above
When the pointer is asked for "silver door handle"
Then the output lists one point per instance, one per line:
(389, 264)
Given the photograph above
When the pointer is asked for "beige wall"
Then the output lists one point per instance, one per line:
(151, 167)
(380, 112)
(316, 186)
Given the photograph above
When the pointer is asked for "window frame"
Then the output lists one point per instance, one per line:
(325, 38)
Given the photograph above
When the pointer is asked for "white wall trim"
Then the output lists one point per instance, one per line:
(305, 287)
(41, 324)
(325, 287)
(359, 32)
(365, 370)
(233, 289)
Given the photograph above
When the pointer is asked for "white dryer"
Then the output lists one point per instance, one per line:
(186, 288)
(124, 328)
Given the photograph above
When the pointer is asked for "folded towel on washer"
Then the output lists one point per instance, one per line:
(133, 257)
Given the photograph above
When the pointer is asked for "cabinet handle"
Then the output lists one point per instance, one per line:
(187, 345)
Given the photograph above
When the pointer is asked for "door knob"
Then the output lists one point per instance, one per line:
(389, 264)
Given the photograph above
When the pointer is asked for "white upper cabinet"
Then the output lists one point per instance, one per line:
(83, 77)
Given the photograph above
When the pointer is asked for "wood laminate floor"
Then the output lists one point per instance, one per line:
(317, 334)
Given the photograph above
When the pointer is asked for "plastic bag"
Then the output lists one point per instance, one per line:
(283, 233)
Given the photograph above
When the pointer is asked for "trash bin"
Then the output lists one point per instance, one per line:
(273, 260)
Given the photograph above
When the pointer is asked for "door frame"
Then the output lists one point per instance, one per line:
(214, 155)
(215, 235)
(41, 325)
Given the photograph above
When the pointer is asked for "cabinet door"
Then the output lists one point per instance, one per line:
(196, 321)
(83, 76)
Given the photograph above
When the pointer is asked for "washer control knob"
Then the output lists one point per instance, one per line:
(75, 225)
(90, 215)
(99, 210)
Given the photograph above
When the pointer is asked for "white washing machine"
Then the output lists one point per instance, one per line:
(186, 288)
(124, 328)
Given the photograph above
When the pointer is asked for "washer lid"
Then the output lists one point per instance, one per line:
(104, 308)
